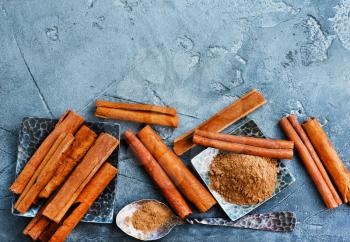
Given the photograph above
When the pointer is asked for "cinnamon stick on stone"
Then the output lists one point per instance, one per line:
(68, 123)
(227, 116)
(83, 173)
(309, 164)
(335, 167)
(84, 139)
(187, 183)
(141, 113)
(247, 145)
(84, 201)
(44, 173)
(158, 175)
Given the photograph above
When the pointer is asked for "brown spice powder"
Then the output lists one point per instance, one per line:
(151, 216)
(243, 179)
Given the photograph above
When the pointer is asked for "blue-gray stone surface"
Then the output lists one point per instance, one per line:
(195, 55)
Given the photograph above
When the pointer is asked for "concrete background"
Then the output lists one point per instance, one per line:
(197, 56)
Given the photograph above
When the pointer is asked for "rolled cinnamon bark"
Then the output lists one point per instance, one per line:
(245, 140)
(44, 173)
(141, 113)
(158, 175)
(303, 136)
(83, 173)
(187, 183)
(37, 225)
(86, 198)
(243, 149)
(309, 164)
(49, 231)
(227, 116)
(329, 157)
(68, 123)
(84, 139)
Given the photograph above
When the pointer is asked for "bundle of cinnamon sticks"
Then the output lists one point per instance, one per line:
(320, 159)
(44, 229)
(169, 172)
(67, 169)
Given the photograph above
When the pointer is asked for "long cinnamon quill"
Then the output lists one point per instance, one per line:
(245, 140)
(187, 183)
(44, 173)
(329, 157)
(141, 113)
(158, 175)
(84, 139)
(83, 173)
(245, 145)
(309, 164)
(227, 116)
(86, 198)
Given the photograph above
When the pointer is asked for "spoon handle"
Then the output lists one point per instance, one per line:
(274, 221)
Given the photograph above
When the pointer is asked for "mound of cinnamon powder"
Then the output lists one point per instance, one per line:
(243, 179)
(151, 216)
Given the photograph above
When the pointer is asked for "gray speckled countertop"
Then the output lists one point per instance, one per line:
(197, 56)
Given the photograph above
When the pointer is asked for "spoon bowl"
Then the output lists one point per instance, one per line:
(123, 221)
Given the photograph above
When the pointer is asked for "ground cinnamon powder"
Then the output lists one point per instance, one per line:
(243, 179)
(151, 216)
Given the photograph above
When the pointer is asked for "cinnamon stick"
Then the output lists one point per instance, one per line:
(279, 149)
(141, 113)
(187, 183)
(37, 225)
(245, 140)
(49, 231)
(84, 139)
(86, 198)
(335, 167)
(309, 164)
(227, 116)
(242, 148)
(158, 175)
(83, 173)
(44, 173)
(303, 136)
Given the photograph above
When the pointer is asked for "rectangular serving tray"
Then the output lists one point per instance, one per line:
(33, 132)
(202, 161)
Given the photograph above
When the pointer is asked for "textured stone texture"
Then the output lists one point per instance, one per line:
(197, 56)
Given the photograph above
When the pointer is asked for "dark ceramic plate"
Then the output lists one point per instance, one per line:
(202, 161)
(33, 132)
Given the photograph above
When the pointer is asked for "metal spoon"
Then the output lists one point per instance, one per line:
(275, 221)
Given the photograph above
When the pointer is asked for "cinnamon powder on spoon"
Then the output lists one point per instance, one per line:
(150, 216)
(243, 179)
